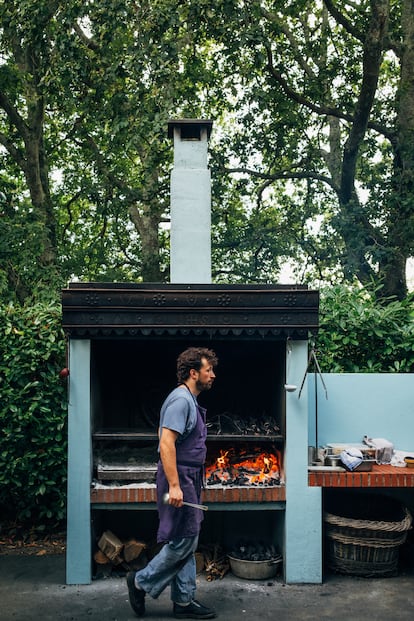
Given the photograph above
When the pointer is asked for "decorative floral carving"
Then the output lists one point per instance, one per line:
(285, 320)
(159, 299)
(290, 299)
(224, 300)
(92, 300)
(117, 311)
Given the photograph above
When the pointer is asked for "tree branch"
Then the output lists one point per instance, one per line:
(105, 171)
(67, 206)
(372, 58)
(13, 115)
(271, 17)
(87, 41)
(282, 175)
(13, 151)
(344, 21)
(318, 109)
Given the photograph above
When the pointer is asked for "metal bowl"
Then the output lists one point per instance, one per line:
(333, 460)
(255, 570)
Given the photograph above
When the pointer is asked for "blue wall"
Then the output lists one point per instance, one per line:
(358, 404)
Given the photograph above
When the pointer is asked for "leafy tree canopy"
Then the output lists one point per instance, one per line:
(311, 153)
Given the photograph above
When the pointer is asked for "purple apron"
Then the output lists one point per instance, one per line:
(191, 454)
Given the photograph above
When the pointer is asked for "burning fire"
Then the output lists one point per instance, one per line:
(254, 468)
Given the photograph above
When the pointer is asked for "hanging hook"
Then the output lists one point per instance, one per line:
(312, 356)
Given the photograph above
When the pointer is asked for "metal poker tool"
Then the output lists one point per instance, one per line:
(166, 498)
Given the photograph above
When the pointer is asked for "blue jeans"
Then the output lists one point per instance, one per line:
(174, 565)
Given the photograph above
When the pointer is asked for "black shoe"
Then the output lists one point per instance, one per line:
(194, 610)
(136, 596)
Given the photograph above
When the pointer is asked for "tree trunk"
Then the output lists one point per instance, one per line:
(37, 178)
(401, 202)
(393, 276)
(353, 223)
(146, 225)
(27, 148)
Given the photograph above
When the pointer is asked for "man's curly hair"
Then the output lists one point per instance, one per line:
(191, 358)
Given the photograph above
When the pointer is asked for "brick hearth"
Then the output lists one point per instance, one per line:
(140, 494)
(380, 476)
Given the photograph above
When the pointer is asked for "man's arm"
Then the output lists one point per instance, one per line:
(169, 462)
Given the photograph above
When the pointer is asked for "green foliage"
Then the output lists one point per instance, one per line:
(86, 89)
(32, 414)
(358, 334)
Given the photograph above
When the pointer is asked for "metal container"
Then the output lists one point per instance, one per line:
(333, 460)
(409, 460)
(255, 570)
(311, 454)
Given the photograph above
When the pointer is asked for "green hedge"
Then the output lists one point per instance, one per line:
(359, 335)
(33, 413)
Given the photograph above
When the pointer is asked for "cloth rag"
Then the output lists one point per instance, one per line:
(398, 458)
(351, 458)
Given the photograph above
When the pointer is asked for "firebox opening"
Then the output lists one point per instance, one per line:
(245, 421)
(228, 529)
(130, 379)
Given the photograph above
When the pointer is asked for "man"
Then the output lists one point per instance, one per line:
(182, 449)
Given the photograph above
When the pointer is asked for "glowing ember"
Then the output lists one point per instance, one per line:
(254, 468)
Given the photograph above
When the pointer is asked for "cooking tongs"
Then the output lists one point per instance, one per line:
(312, 356)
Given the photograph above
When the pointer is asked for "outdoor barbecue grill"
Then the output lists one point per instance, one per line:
(124, 339)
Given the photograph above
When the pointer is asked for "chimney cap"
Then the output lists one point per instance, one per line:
(190, 128)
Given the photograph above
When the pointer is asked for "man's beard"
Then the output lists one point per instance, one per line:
(203, 386)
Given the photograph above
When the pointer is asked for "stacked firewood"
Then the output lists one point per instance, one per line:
(216, 562)
(129, 555)
(114, 553)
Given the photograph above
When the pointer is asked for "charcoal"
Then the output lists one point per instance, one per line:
(230, 424)
(254, 551)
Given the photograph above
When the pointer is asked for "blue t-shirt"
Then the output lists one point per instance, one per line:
(179, 412)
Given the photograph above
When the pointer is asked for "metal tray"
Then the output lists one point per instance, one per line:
(364, 466)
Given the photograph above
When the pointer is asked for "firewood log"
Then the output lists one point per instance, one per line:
(110, 545)
(103, 565)
(132, 549)
(101, 558)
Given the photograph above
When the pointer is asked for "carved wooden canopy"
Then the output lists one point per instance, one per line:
(97, 310)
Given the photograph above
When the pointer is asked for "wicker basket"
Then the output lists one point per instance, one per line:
(365, 547)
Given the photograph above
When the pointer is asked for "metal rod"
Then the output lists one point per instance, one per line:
(166, 498)
(192, 504)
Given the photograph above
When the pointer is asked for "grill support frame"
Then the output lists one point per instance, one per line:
(89, 314)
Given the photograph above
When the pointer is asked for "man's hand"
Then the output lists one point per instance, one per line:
(176, 496)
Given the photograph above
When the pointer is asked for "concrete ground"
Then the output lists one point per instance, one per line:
(33, 588)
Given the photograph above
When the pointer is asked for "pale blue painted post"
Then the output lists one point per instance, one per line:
(78, 545)
(303, 520)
